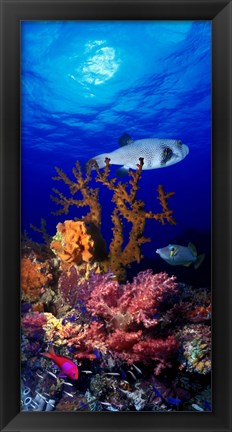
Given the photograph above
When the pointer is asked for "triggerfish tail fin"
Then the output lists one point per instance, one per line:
(124, 140)
(49, 354)
(199, 260)
(193, 249)
(122, 172)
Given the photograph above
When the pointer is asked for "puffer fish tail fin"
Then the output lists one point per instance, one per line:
(124, 140)
(122, 172)
(193, 249)
(100, 159)
(199, 261)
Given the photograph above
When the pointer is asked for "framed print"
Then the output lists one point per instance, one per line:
(115, 221)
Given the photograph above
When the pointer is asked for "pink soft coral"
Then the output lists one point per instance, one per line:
(134, 303)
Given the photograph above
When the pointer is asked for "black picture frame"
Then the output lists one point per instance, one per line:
(12, 12)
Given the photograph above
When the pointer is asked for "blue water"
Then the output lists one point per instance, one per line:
(86, 83)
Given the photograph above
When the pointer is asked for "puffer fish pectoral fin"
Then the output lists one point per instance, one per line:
(187, 265)
(199, 260)
(166, 155)
(122, 172)
(192, 249)
(125, 139)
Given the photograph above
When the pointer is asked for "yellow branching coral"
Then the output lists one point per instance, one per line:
(127, 207)
(90, 196)
(59, 333)
(72, 244)
(133, 211)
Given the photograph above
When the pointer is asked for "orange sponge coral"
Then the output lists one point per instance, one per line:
(32, 279)
(72, 244)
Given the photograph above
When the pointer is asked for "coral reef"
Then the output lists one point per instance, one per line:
(35, 277)
(196, 348)
(139, 345)
(72, 244)
(90, 196)
(133, 303)
(32, 324)
(127, 208)
(75, 285)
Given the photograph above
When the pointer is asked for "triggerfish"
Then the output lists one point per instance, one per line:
(68, 367)
(181, 255)
(156, 153)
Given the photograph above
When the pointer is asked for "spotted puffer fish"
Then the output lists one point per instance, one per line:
(181, 255)
(156, 153)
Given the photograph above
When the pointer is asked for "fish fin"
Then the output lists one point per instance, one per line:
(187, 265)
(49, 354)
(62, 375)
(124, 140)
(192, 249)
(46, 354)
(199, 260)
(51, 350)
(100, 159)
(122, 172)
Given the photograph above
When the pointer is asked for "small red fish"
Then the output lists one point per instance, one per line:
(67, 366)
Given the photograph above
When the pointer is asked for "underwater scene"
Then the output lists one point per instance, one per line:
(116, 216)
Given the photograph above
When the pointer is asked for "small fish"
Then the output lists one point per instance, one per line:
(173, 401)
(69, 394)
(111, 408)
(67, 366)
(72, 318)
(207, 406)
(94, 318)
(40, 376)
(136, 368)
(83, 309)
(157, 392)
(97, 354)
(181, 255)
(87, 371)
(197, 407)
(112, 373)
(68, 384)
(105, 403)
(156, 153)
(52, 374)
(132, 374)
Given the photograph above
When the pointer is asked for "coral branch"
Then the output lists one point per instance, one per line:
(81, 184)
(127, 208)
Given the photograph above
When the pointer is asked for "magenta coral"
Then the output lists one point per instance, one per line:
(32, 324)
(130, 347)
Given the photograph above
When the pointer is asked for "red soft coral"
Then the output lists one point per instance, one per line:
(134, 303)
